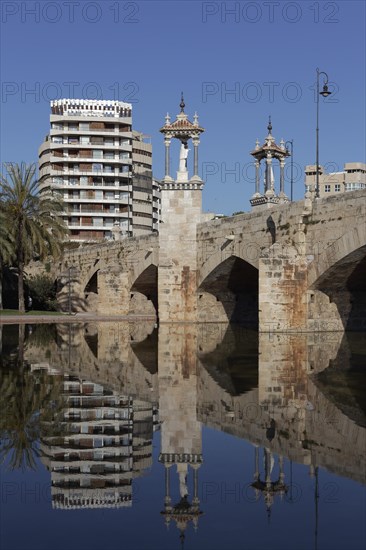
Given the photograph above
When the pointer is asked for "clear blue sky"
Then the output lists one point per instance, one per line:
(147, 52)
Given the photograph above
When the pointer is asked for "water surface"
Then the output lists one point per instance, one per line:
(122, 435)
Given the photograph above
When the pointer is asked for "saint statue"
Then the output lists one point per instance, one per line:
(183, 157)
(182, 471)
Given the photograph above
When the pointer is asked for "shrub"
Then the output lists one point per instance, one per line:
(42, 290)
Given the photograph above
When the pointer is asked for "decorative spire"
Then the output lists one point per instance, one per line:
(269, 127)
(167, 120)
(195, 119)
(257, 144)
(182, 104)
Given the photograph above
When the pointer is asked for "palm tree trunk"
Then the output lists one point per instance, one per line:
(21, 333)
(21, 305)
(20, 254)
(1, 283)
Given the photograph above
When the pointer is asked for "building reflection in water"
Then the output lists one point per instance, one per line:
(106, 442)
(264, 389)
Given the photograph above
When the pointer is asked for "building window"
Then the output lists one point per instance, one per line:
(327, 188)
(84, 126)
(337, 187)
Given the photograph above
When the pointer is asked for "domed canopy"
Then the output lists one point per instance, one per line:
(182, 128)
(270, 146)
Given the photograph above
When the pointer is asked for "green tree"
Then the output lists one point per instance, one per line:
(34, 218)
(6, 249)
(43, 290)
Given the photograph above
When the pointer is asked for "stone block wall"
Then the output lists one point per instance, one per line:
(177, 272)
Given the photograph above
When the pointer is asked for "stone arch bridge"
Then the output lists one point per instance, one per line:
(294, 267)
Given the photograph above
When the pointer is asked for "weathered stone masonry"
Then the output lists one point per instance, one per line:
(300, 268)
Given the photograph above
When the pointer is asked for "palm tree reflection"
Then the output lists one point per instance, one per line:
(31, 405)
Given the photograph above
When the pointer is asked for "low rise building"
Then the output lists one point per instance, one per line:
(353, 177)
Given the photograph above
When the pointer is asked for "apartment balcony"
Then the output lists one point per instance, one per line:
(145, 222)
(91, 227)
(95, 173)
(45, 158)
(92, 159)
(98, 214)
(96, 186)
(77, 145)
(85, 198)
(142, 208)
(91, 132)
(107, 119)
(45, 146)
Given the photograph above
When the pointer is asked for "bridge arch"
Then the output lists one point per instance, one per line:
(347, 244)
(144, 291)
(246, 251)
(230, 291)
(340, 273)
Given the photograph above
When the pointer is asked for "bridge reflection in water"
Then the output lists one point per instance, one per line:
(293, 397)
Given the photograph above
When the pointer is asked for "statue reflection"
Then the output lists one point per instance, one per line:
(181, 441)
(268, 487)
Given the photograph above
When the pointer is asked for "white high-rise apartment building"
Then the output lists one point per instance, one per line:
(102, 168)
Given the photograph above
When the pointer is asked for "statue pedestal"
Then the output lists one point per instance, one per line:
(182, 176)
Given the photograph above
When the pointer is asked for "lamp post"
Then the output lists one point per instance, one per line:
(130, 184)
(291, 144)
(70, 308)
(325, 92)
(128, 202)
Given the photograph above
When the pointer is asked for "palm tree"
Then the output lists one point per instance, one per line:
(37, 228)
(6, 249)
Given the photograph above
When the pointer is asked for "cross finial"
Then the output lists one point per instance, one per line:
(182, 104)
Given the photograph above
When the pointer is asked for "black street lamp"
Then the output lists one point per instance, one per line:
(325, 92)
(70, 304)
(131, 174)
(290, 143)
